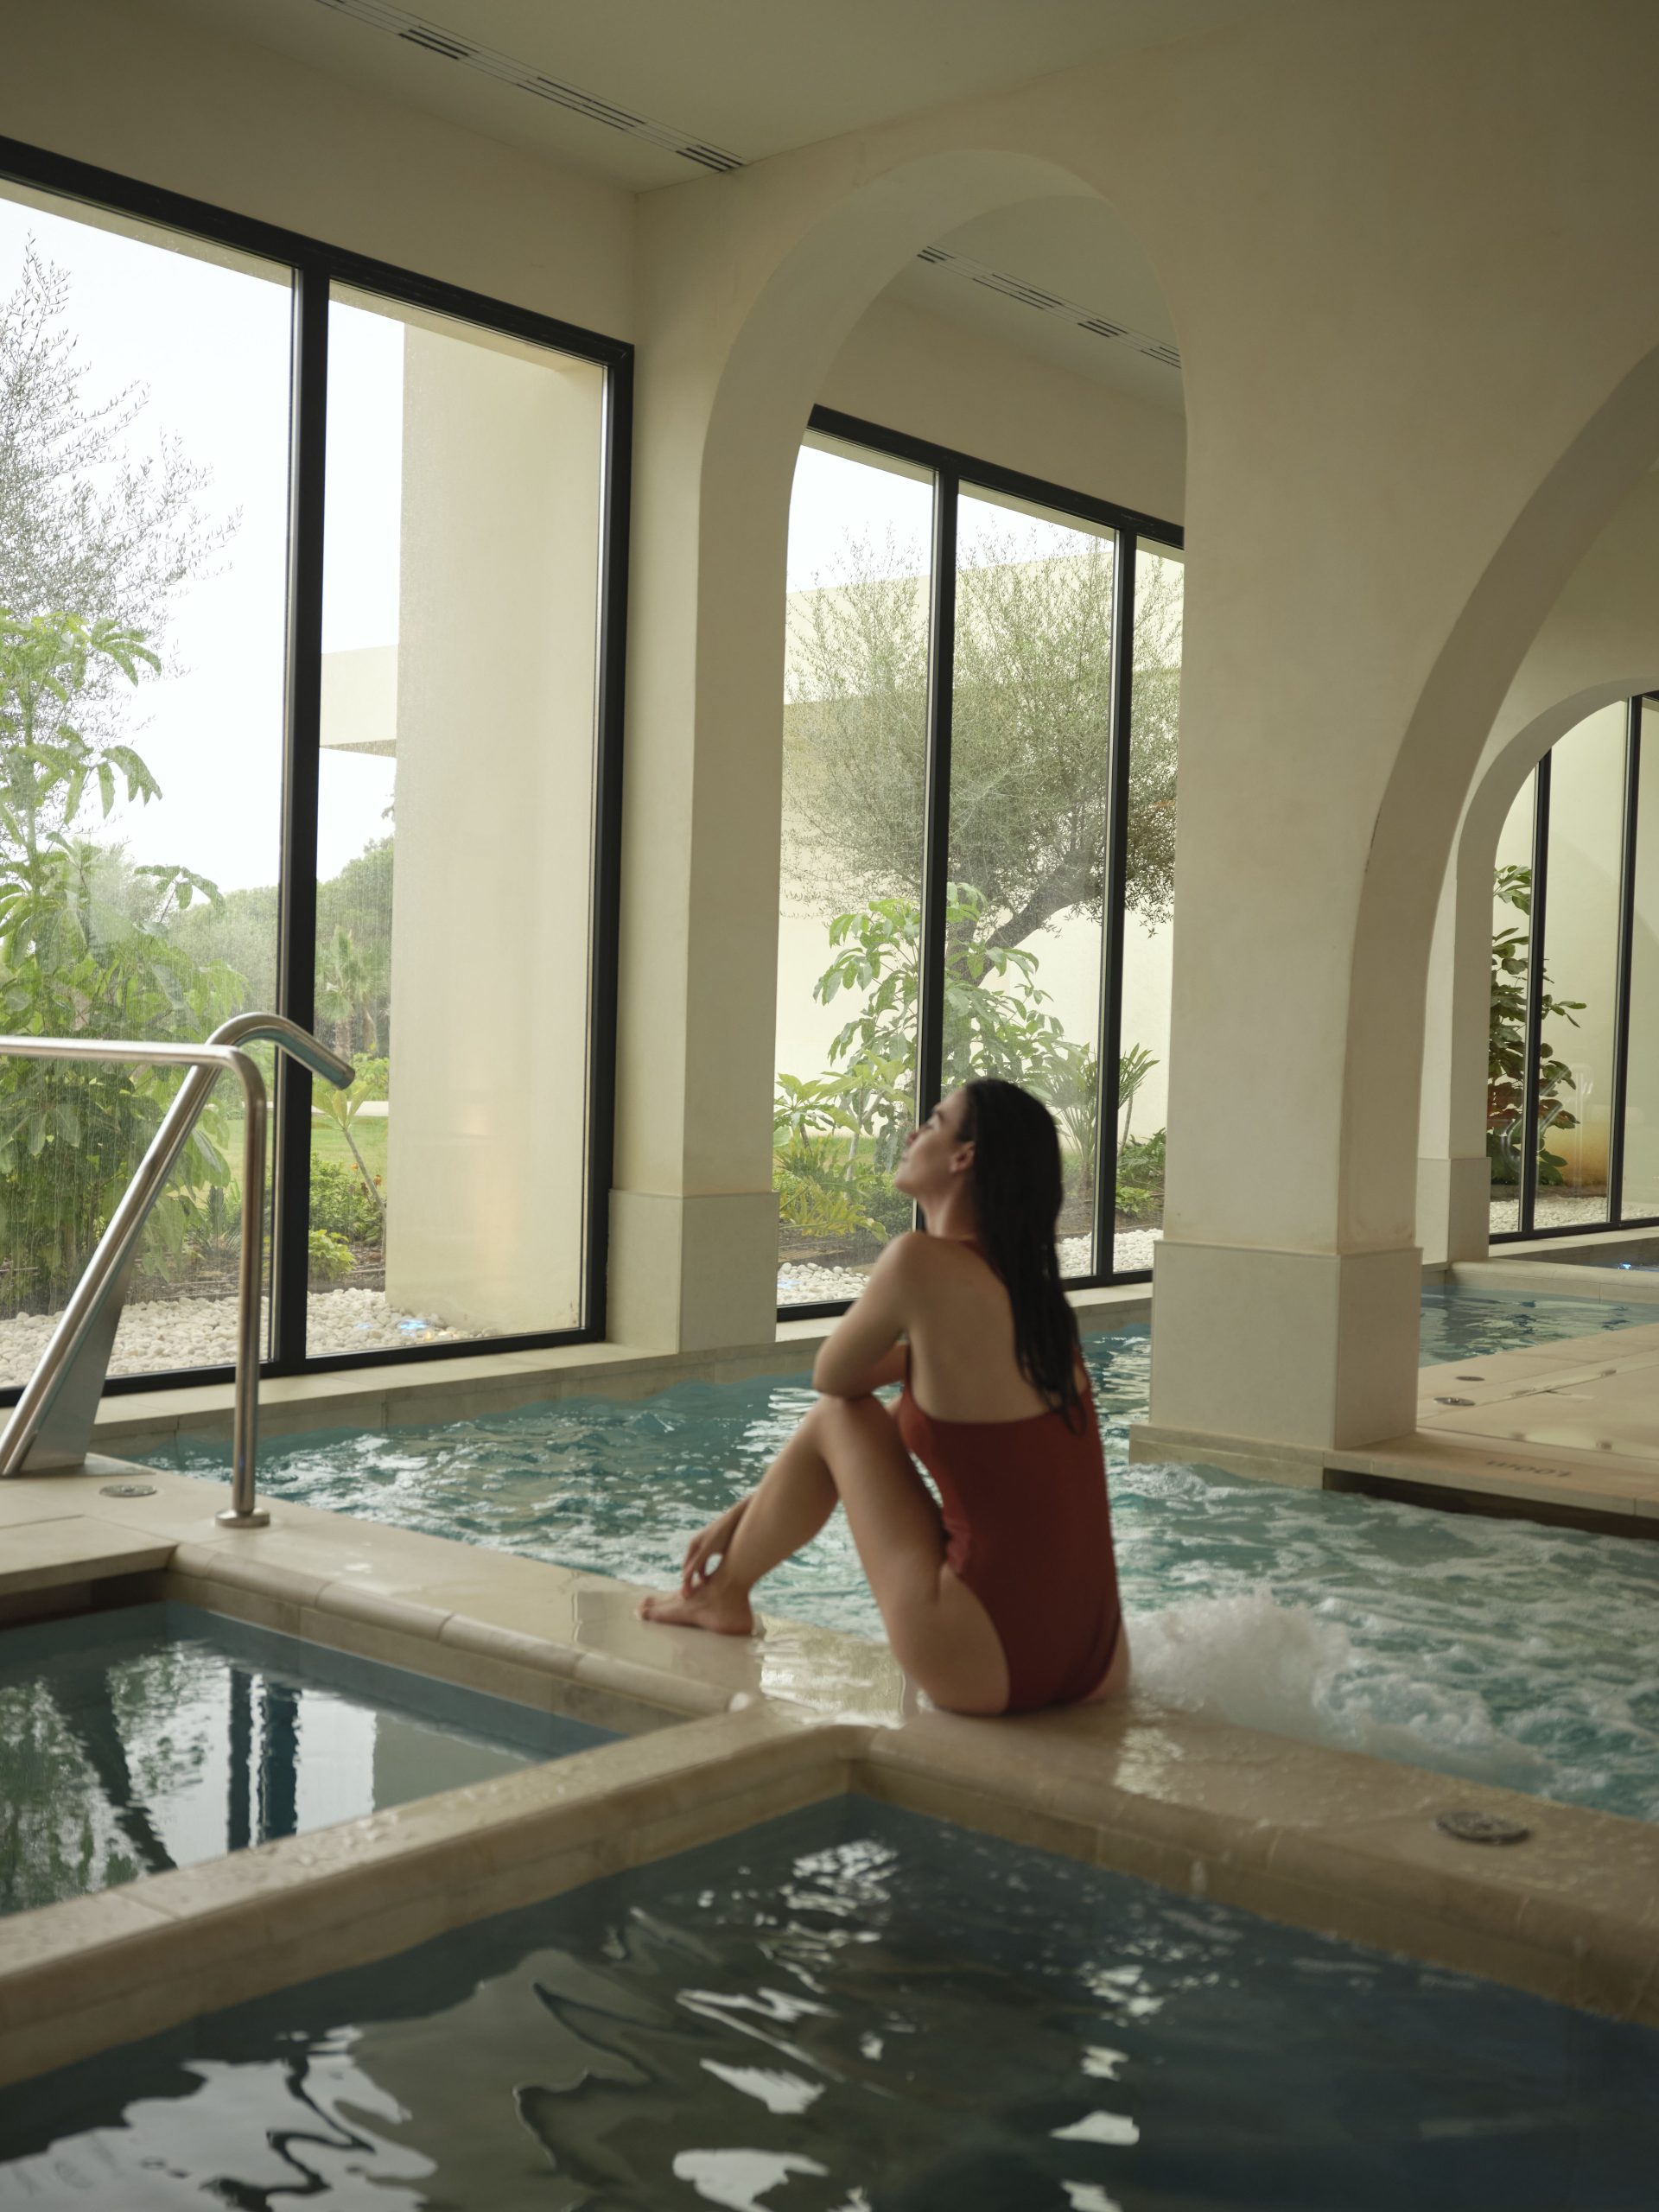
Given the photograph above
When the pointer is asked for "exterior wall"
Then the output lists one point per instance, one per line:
(491, 892)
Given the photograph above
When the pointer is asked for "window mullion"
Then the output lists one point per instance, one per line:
(297, 946)
(1114, 885)
(935, 831)
(1538, 901)
(1622, 988)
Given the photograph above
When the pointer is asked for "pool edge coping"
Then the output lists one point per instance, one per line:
(1348, 1848)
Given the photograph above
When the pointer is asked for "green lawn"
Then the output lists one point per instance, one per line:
(328, 1142)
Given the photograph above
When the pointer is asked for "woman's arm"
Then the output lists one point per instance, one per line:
(866, 1348)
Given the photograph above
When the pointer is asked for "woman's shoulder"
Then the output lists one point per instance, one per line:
(917, 1255)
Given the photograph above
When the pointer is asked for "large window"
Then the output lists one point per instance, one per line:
(1572, 1095)
(310, 587)
(979, 740)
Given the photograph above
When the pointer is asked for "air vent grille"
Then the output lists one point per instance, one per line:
(449, 45)
(432, 38)
(1029, 296)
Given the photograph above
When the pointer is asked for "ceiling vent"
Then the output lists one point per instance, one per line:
(1028, 296)
(432, 38)
(449, 45)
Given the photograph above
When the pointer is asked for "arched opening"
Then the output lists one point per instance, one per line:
(981, 700)
(1595, 653)
(861, 308)
(1438, 761)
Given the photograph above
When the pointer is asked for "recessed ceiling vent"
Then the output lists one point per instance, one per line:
(432, 38)
(1028, 296)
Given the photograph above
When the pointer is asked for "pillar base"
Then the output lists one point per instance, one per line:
(693, 1274)
(1454, 1209)
(1298, 1468)
(1309, 1351)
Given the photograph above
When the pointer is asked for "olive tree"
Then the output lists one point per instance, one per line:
(1030, 713)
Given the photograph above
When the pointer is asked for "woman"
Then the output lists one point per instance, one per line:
(1007, 1600)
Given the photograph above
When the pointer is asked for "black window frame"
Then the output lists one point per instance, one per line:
(953, 471)
(1527, 1230)
(316, 267)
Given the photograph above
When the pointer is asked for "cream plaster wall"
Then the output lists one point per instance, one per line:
(1599, 644)
(134, 88)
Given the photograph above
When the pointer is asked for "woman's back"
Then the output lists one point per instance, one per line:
(962, 1364)
(1021, 1481)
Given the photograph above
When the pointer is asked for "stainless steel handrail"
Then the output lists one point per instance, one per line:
(51, 1424)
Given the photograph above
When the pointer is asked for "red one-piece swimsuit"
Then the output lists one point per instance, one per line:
(1030, 1533)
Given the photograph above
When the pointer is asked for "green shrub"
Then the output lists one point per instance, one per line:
(1141, 1178)
(340, 1204)
(328, 1259)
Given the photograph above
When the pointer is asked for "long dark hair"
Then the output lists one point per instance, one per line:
(1017, 1192)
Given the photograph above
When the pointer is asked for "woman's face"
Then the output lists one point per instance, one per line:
(937, 1153)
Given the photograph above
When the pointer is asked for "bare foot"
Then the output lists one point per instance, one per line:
(724, 1612)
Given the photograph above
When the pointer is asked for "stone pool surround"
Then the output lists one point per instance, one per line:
(721, 1733)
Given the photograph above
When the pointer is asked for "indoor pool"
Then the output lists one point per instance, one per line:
(157, 1735)
(1513, 1653)
(856, 2010)
(1461, 1324)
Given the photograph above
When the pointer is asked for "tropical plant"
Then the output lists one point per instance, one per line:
(1072, 1089)
(1141, 1178)
(328, 1259)
(85, 951)
(349, 982)
(342, 1109)
(341, 1204)
(373, 1075)
(1506, 1045)
(840, 1133)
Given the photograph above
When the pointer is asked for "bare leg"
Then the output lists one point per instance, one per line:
(795, 1496)
(848, 1448)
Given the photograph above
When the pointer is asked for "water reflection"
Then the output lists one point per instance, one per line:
(154, 1737)
(852, 2009)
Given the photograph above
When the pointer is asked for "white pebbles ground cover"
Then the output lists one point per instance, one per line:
(156, 1334)
(800, 1283)
(160, 1334)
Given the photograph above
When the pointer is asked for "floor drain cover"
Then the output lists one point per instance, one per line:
(1481, 1827)
(127, 1490)
(1454, 1402)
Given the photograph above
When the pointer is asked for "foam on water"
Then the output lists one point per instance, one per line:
(1515, 1654)
(1282, 1668)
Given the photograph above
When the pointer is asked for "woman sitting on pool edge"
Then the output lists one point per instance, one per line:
(1007, 1600)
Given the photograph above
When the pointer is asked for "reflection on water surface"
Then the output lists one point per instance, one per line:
(855, 2009)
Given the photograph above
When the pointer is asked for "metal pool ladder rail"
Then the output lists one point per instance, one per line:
(51, 1425)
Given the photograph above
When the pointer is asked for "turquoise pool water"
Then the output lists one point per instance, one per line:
(157, 1735)
(1463, 1323)
(854, 2010)
(1516, 1654)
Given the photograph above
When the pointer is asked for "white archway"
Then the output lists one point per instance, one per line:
(1600, 643)
(724, 397)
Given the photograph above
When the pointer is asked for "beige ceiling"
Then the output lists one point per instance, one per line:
(753, 78)
(1079, 253)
